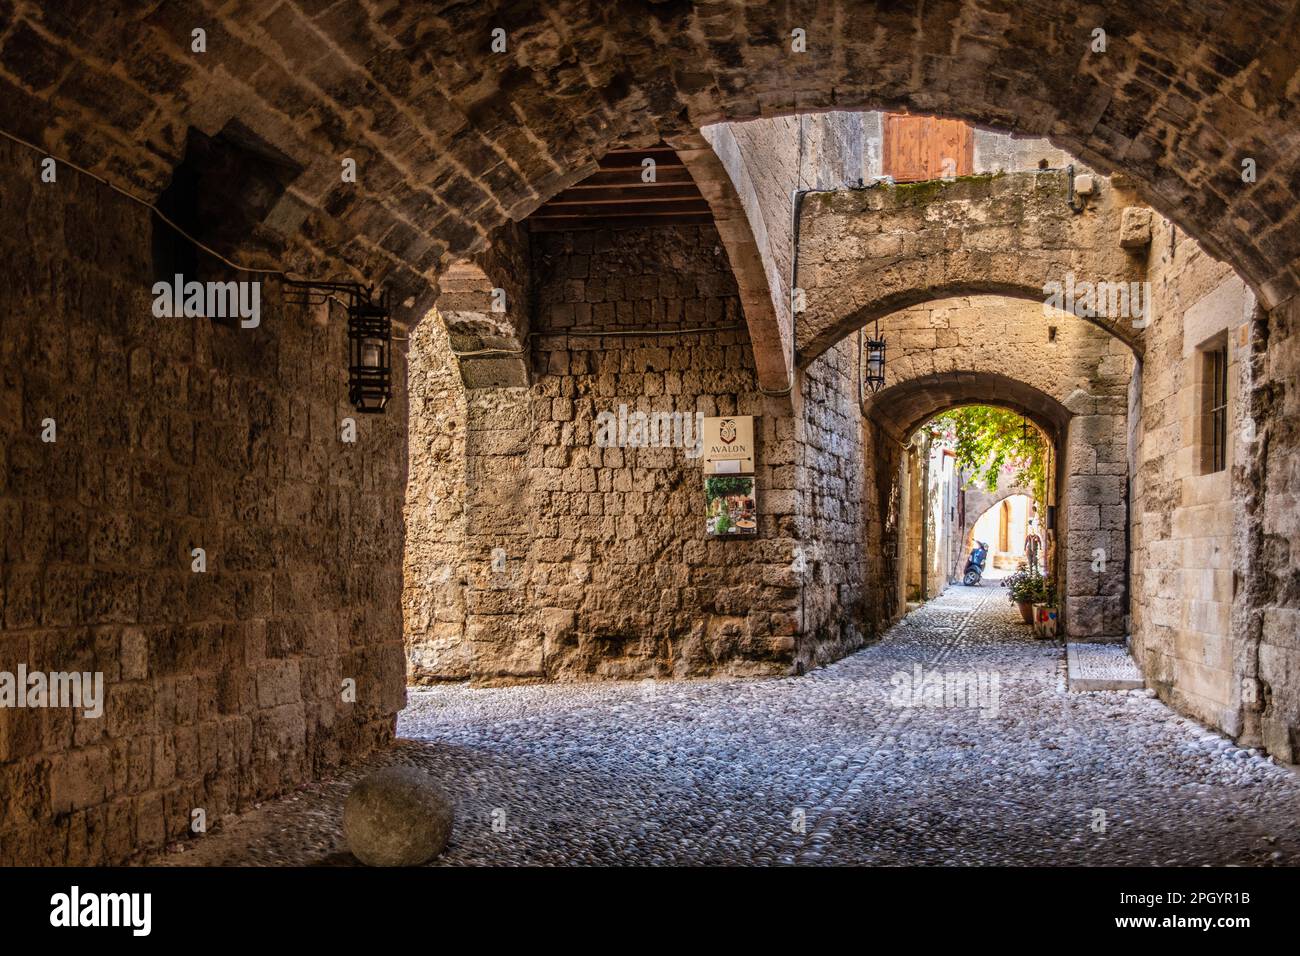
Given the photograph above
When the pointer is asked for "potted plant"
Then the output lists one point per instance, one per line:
(1045, 612)
(1026, 588)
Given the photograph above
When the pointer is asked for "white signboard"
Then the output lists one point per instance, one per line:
(729, 445)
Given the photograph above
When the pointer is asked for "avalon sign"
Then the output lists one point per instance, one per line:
(729, 445)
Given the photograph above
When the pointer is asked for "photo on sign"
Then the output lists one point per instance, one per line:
(731, 505)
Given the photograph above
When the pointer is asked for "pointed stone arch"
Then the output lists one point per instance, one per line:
(739, 221)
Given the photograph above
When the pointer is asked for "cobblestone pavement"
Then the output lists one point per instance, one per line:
(721, 772)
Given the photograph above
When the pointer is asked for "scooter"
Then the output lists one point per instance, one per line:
(975, 564)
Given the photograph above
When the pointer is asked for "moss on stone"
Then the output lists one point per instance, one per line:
(928, 189)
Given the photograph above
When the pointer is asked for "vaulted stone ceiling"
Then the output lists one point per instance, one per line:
(452, 139)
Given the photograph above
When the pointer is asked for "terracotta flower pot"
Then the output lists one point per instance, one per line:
(1026, 611)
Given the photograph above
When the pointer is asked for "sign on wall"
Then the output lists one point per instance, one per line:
(729, 445)
(730, 488)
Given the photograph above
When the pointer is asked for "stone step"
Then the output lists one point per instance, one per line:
(1101, 667)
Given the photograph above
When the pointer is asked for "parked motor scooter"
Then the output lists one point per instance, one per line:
(975, 564)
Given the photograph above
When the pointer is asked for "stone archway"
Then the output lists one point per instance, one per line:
(738, 217)
(865, 253)
(209, 436)
(1067, 376)
(979, 502)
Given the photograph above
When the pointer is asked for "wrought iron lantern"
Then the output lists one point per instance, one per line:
(873, 370)
(370, 368)
(370, 337)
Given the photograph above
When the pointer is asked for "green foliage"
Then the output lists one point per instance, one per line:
(986, 439)
(1029, 587)
(726, 485)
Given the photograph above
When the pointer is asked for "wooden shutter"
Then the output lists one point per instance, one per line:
(916, 147)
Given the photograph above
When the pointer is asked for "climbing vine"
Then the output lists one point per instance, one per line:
(986, 440)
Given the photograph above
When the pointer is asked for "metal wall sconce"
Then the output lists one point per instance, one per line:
(370, 337)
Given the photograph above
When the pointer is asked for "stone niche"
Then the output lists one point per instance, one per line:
(592, 560)
(623, 574)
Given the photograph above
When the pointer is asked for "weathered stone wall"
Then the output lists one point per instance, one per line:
(844, 482)
(1267, 489)
(434, 572)
(1214, 620)
(221, 688)
(582, 561)
(1186, 520)
(998, 153)
(864, 253)
(931, 525)
(621, 577)
(915, 521)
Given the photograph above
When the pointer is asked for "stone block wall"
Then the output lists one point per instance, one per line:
(434, 571)
(844, 482)
(578, 561)
(622, 579)
(931, 528)
(1267, 614)
(1188, 522)
(500, 522)
(221, 688)
(999, 153)
(1214, 625)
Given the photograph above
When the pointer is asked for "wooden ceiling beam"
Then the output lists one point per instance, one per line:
(631, 178)
(616, 197)
(567, 224)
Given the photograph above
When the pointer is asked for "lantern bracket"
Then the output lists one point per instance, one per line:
(370, 367)
(318, 291)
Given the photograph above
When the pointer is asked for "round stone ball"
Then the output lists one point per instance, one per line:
(397, 816)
